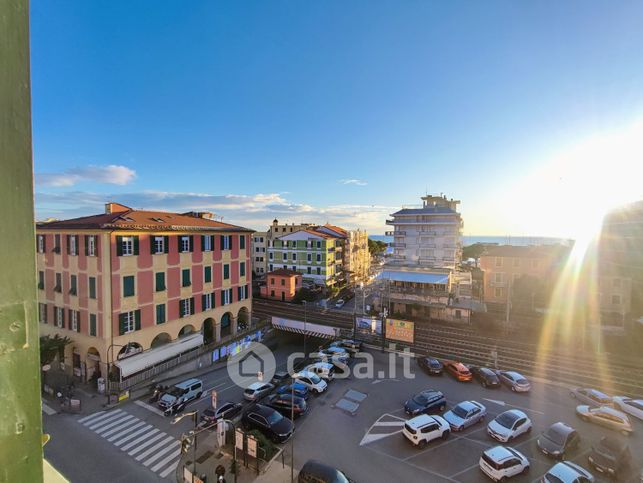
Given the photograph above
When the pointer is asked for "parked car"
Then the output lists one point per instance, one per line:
(514, 381)
(567, 472)
(502, 462)
(339, 304)
(287, 405)
(180, 394)
(485, 376)
(312, 381)
(459, 371)
(315, 472)
(605, 416)
(423, 429)
(334, 355)
(424, 402)
(558, 440)
(350, 345)
(280, 378)
(465, 414)
(227, 410)
(257, 390)
(633, 407)
(591, 397)
(431, 365)
(299, 389)
(509, 425)
(610, 456)
(269, 421)
(325, 370)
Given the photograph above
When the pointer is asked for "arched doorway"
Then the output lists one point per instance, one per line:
(161, 339)
(243, 319)
(186, 330)
(92, 364)
(207, 329)
(226, 325)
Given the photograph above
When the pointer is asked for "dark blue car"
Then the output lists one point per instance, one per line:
(300, 389)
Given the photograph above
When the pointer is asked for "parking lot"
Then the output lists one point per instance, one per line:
(364, 438)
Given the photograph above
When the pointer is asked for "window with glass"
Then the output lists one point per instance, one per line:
(91, 245)
(60, 317)
(184, 244)
(41, 243)
(59, 283)
(127, 245)
(42, 313)
(41, 280)
(129, 322)
(73, 320)
(92, 325)
(160, 314)
(207, 243)
(159, 244)
(73, 242)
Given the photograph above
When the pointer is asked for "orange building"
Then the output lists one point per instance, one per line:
(281, 284)
(503, 265)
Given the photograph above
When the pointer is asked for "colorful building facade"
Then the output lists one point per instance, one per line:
(131, 280)
(281, 284)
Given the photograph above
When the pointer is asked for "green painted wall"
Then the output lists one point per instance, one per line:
(20, 410)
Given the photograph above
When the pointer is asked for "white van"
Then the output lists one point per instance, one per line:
(180, 394)
(312, 381)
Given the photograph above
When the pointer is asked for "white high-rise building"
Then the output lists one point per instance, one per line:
(430, 236)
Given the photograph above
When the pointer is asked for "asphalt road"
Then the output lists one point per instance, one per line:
(366, 442)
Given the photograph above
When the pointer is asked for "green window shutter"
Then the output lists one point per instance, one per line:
(223, 297)
(119, 247)
(180, 302)
(238, 293)
(78, 321)
(211, 242)
(121, 324)
(86, 240)
(242, 269)
(166, 244)
(214, 299)
(152, 248)
(231, 241)
(226, 271)
(203, 242)
(242, 242)
(137, 320)
(92, 324)
(191, 243)
(202, 302)
(135, 245)
(67, 237)
(221, 237)
(191, 305)
(129, 283)
(185, 275)
(160, 281)
(207, 274)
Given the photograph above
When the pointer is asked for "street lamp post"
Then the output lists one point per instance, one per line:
(195, 417)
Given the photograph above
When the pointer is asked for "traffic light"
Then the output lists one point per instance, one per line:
(186, 443)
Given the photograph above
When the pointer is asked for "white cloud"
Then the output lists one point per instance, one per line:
(255, 211)
(357, 182)
(110, 174)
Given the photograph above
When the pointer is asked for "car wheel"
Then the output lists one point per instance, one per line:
(529, 430)
(198, 396)
(422, 444)
(445, 434)
(481, 418)
(525, 470)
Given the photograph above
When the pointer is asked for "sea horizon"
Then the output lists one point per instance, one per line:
(500, 240)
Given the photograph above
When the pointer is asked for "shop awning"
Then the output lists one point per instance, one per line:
(152, 357)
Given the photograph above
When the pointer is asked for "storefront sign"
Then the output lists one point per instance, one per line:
(238, 440)
(252, 447)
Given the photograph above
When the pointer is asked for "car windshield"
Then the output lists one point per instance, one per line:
(459, 411)
(506, 420)
(554, 435)
(273, 418)
(315, 379)
(434, 363)
(521, 380)
(175, 391)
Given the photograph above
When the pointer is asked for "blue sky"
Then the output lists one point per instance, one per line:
(325, 111)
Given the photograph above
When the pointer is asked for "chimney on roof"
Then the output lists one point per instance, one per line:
(200, 214)
(112, 208)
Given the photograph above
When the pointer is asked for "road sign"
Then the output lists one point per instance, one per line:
(213, 394)
(252, 446)
(238, 440)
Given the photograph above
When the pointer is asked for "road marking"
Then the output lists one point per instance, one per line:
(106, 415)
(500, 403)
(138, 440)
(130, 436)
(160, 453)
(91, 416)
(369, 438)
(114, 423)
(149, 451)
(122, 433)
(149, 407)
(166, 460)
(388, 423)
(465, 470)
(47, 410)
(147, 442)
(121, 426)
(170, 469)
(110, 417)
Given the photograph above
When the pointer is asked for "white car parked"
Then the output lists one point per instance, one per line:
(501, 462)
(423, 429)
(567, 472)
(630, 406)
(325, 370)
(509, 425)
(311, 380)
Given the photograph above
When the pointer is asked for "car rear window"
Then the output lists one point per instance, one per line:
(553, 479)
(409, 429)
(490, 462)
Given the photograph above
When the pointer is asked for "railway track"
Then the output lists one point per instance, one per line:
(465, 344)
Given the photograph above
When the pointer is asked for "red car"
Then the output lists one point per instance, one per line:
(459, 371)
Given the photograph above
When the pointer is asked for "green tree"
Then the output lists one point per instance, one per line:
(302, 294)
(376, 247)
(50, 347)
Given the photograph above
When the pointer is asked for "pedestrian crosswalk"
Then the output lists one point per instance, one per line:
(154, 449)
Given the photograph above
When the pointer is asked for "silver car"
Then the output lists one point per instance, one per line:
(630, 406)
(465, 414)
(606, 416)
(591, 397)
(257, 390)
(514, 380)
